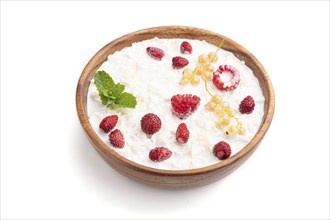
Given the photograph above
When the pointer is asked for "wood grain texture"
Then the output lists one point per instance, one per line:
(169, 178)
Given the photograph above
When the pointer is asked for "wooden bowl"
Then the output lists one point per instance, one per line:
(170, 178)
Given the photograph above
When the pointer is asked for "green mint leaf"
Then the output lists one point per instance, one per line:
(104, 83)
(111, 94)
(103, 99)
(118, 89)
(126, 100)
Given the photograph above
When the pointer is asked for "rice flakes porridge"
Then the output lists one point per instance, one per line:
(153, 83)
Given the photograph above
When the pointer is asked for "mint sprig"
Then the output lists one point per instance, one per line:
(112, 94)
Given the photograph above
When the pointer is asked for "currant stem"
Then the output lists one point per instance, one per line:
(225, 108)
(223, 40)
(207, 89)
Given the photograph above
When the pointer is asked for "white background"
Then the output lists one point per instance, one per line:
(50, 170)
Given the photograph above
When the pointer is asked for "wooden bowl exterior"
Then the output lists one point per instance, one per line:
(169, 178)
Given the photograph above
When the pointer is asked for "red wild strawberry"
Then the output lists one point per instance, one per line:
(155, 53)
(186, 48)
(179, 62)
(184, 105)
(182, 133)
(222, 150)
(108, 123)
(159, 154)
(247, 105)
(150, 123)
(226, 78)
(117, 139)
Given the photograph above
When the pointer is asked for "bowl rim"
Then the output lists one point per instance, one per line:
(104, 148)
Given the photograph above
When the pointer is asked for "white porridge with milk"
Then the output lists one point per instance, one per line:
(154, 82)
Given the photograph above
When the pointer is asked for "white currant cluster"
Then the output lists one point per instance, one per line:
(204, 70)
(225, 116)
